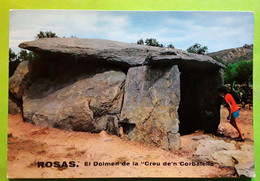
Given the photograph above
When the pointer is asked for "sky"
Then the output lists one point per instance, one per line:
(216, 30)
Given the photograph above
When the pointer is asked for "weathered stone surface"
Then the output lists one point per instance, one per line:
(213, 150)
(179, 57)
(109, 123)
(226, 154)
(113, 52)
(246, 169)
(248, 148)
(112, 125)
(226, 157)
(13, 108)
(75, 105)
(201, 137)
(151, 102)
(15, 82)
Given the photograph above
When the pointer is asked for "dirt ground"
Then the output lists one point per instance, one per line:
(29, 144)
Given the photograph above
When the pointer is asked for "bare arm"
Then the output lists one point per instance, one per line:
(229, 107)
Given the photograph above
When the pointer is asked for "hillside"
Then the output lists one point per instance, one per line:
(234, 55)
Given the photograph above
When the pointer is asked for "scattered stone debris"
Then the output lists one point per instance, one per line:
(227, 154)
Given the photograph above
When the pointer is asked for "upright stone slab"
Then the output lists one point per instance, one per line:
(151, 102)
(79, 105)
(16, 87)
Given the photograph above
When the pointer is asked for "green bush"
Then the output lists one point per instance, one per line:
(46, 34)
(197, 48)
(149, 42)
(239, 73)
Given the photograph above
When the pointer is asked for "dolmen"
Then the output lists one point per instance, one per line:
(153, 94)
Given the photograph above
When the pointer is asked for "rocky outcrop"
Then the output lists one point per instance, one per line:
(246, 169)
(94, 85)
(216, 151)
(151, 102)
(16, 87)
(228, 155)
(233, 55)
(13, 108)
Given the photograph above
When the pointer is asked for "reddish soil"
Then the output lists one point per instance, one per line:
(29, 144)
(245, 123)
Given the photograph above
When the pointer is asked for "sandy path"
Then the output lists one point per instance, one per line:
(28, 144)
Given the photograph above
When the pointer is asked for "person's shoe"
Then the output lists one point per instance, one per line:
(239, 139)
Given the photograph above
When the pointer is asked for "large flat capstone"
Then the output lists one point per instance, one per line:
(117, 53)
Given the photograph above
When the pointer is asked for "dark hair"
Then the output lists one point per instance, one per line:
(222, 89)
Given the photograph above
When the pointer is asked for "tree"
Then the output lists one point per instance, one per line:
(12, 55)
(23, 55)
(152, 42)
(170, 46)
(197, 48)
(245, 72)
(140, 42)
(149, 42)
(13, 62)
(46, 34)
(240, 73)
(230, 74)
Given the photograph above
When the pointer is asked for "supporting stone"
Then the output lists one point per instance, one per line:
(151, 102)
(76, 105)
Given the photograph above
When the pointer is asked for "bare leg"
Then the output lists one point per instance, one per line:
(233, 122)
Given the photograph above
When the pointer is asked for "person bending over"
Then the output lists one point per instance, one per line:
(233, 110)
